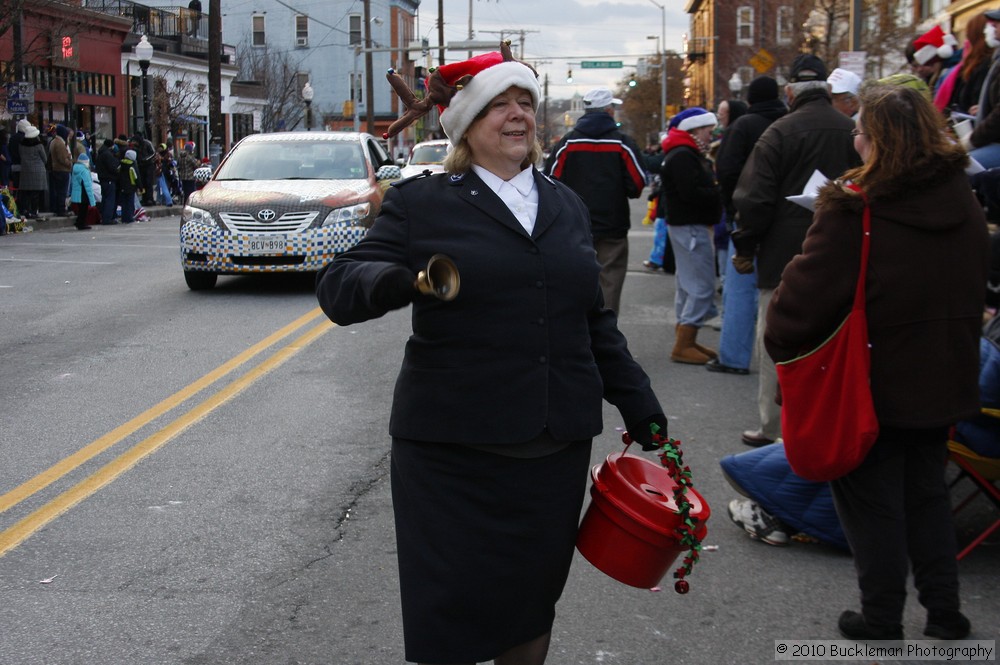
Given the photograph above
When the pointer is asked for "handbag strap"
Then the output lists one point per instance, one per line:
(866, 232)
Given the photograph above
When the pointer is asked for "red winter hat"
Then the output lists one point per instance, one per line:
(935, 43)
(462, 89)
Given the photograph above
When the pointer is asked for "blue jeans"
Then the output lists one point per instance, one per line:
(739, 320)
(694, 253)
(988, 155)
(165, 196)
(659, 241)
(58, 191)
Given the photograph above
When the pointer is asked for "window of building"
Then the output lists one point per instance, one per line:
(301, 30)
(357, 87)
(744, 25)
(930, 8)
(354, 21)
(785, 24)
(258, 30)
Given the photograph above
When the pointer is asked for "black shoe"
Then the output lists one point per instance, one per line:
(854, 627)
(715, 366)
(947, 625)
(755, 439)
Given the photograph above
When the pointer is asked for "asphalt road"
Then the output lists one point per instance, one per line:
(202, 478)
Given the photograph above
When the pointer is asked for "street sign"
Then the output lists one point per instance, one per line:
(762, 61)
(853, 61)
(20, 97)
(601, 64)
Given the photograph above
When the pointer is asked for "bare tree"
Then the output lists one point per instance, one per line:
(276, 72)
(170, 102)
(887, 27)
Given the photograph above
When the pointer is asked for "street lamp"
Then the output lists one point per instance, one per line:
(144, 52)
(663, 66)
(307, 97)
(736, 85)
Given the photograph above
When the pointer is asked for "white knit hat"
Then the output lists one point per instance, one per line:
(22, 125)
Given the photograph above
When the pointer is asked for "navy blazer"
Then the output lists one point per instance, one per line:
(526, 345)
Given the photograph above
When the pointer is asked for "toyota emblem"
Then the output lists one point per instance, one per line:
(266, 215)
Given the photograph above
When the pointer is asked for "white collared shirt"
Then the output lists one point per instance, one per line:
(519, 194)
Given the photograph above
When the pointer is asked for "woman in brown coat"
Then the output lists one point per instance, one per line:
(925, 288)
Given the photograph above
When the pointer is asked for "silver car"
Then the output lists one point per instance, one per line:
(283, 202)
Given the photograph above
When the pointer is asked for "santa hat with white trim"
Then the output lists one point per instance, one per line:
(935, 43)
(462, 89)
(693, 118)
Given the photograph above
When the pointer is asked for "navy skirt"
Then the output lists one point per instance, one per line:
(485, 542)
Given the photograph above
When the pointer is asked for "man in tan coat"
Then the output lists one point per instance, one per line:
(61, 162)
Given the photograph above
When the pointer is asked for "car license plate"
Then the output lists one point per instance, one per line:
(255, 245)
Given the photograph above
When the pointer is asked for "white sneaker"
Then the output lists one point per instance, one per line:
(760, 524)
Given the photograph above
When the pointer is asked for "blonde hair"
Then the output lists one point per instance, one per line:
(460, 158)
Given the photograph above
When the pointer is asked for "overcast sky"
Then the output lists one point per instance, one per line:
(559, 34)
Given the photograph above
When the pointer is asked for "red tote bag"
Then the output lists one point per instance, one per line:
(828, 419)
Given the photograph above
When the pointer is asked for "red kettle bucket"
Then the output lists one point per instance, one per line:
(629, 531)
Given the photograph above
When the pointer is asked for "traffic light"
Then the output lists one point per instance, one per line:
(569, 76)
(631, 81)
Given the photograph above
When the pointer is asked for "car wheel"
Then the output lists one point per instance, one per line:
(200, 281)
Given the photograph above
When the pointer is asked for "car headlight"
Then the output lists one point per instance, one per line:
(348, 216)
(198, 216)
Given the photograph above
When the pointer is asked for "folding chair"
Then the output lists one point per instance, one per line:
(984, 473)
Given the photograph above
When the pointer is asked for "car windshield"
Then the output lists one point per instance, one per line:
(429, 154)
(295, 160)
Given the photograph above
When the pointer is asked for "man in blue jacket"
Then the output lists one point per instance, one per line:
(604, 166)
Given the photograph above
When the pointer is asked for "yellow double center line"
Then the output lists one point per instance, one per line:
(16, 534)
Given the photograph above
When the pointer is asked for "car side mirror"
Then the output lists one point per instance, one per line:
(388, 172)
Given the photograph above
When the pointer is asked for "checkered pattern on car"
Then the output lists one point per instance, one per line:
(228, 252)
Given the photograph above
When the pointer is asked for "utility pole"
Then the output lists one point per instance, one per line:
(369, 84)
(440, 33)
(522, 33)
(857, 13)
(217, 132)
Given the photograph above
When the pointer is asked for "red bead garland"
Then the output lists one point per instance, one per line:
(671, 457)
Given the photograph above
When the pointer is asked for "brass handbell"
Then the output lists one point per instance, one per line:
(439, 279)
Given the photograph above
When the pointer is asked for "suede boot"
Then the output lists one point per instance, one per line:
(712, 355)
(685, 347)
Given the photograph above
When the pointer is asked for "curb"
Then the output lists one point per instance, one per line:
(47, 220)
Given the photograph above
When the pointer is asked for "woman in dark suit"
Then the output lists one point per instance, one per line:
(500, 390)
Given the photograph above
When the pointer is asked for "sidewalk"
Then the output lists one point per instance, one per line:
(47, 221)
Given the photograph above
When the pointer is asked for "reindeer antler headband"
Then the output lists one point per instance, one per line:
(462, 89)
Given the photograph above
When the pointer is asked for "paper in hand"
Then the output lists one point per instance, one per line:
(807, 199)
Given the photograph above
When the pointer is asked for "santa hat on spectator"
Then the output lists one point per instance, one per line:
(462, 89)
(693, 118)
(935, 43)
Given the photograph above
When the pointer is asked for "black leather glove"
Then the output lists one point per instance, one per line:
(394, 288)
(641, 434)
